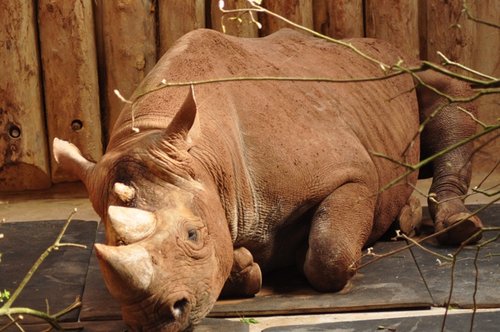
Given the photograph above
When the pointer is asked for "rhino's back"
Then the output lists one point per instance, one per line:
(382, 114)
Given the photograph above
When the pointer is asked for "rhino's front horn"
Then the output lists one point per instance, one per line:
(131, 225)
(127, 270)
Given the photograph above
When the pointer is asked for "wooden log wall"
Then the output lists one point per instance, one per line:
(129, 45)
(60, 61)
(232, 26)
(68, 55)
(475, 45)
(24, 162)
(339, 18)
(399, 24)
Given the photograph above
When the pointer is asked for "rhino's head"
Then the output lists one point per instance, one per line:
(168, 251)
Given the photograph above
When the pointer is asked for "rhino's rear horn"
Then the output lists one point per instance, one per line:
(125, 193)
(131, 225)
(128, 270)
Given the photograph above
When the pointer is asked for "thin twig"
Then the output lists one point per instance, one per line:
(419, 245)
(400, 163)
(466, 10)
(453, 265)
(450, 292)
(13, 321)
(487, 175)
(481, 123)
(165, 84)
(474, 294)
(447, 61)
(425, 65)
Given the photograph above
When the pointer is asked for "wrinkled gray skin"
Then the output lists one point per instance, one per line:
(244, 177)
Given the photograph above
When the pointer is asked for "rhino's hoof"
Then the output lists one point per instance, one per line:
(410, 217)
(247, 282)
(461, 227)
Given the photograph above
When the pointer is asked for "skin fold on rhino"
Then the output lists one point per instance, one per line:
(234, 179)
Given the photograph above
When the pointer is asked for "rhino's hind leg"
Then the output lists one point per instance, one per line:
(245, 278)
(340, 227)
(451, 172)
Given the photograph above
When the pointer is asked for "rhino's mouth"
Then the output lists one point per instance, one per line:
(155, 314)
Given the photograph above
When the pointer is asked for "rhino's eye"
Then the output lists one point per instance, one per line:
(193, 235)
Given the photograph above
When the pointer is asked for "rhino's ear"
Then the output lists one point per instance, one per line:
(70, 158)
(185, 124)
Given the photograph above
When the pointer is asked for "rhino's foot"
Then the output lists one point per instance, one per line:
(410, 217)
(453, 216)
(329, 276)
(460, 227)
(338, 232)
(245, 278)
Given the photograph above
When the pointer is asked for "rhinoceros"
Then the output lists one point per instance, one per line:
(222, 182)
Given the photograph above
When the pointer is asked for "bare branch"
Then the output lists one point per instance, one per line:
(481, 123)
(447, 61)
(400, 163)
(488, 175)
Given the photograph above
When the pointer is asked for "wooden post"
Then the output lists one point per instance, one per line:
(71, 87)
(298, 11)
(24, 162)
(485, 59)
(449, 31)
(396, 21)
(129, 37)
(339, 18)
(245, 28)
(178, 17)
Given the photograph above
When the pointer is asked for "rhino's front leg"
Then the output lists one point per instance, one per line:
(245, 278)
(339, 230)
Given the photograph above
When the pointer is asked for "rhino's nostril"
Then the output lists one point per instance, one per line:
(179, 308)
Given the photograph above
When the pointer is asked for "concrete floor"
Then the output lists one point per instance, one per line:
(59, 201)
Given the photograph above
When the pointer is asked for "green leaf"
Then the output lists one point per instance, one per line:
(248, 321)
(5, 295)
